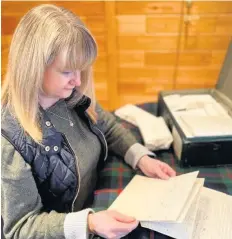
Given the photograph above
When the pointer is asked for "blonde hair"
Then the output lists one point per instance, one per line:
(40, 36)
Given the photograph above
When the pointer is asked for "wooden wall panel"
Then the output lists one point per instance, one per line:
(18, 8)
(144, 46)
(163, 23)
(131, 59)
(223, 24)
(209, 7)
(145, 72)
(165, 58)
(147, 7)
(147, 42)
(205, 42)
(112, 60)
(204, 39)
(84, 8)
(91, 13)
(197, 77)
(131, 24)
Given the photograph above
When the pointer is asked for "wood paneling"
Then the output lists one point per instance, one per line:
(112, 76)
(147, 7)
(218, 57)
(145, 43)
(203, 42)
(209, 7)
(83, 8)
(205, 35)
(136, 99)
(96, 25)
(218, 25)
(224, 24)
(131, 24)
(137, 86)
(159, 58)
(145, 72)
(91, 13)
(196, 77)
(145, 46)
(131, 59)
(19, 8)
(163, 23)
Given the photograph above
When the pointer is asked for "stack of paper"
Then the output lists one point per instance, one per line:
(207, 126)
(179, 207)
(154, 130)
(200, 115)
(191, 102)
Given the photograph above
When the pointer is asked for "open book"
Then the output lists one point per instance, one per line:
(180, 207)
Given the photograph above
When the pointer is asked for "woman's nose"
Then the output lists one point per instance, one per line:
(76, 79)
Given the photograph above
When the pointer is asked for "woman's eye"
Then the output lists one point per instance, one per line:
(66, 72)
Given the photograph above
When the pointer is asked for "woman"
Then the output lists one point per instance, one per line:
(54, 135)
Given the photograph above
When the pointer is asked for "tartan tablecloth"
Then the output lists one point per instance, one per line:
(116, 175)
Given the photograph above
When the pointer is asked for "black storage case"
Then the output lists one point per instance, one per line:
(209, 150)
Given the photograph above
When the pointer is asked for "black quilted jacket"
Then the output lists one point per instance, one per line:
(53, 163)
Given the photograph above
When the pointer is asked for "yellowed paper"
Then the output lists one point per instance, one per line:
(183, 229)
(154, 130)
(199, 183)
(214, 216)
(208, 125)
(149, 199)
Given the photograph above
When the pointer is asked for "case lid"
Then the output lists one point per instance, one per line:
(224, 84)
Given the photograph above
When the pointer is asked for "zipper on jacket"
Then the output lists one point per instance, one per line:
(77, 165)
(92, 127)
(78, 172)
(106, 153)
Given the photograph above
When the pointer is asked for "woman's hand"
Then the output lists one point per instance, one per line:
(154, 168)
(111, 224)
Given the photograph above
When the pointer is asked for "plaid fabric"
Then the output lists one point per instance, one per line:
(116, 175)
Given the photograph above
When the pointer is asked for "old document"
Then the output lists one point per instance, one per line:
(214, 216)
(183, 228)
(149, 199)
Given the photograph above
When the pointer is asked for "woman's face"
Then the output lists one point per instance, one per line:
(59, 83)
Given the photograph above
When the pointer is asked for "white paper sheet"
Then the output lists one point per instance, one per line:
(208, 125)
(149, 199)
(200, 115)
(184, 228)
(209, 217)
(214, 216)
(199, 183)
(180, 207)
(188, 102)
(154, 130)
